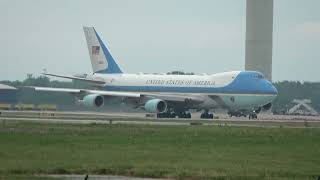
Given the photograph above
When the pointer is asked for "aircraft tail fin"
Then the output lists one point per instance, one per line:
(100, 56)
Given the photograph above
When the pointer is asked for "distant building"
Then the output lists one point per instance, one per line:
(259, 30)
(8, 94)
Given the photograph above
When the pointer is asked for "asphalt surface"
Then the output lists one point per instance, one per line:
(96, 177)
(264, 120)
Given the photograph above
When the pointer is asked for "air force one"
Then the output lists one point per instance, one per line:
(169, 96)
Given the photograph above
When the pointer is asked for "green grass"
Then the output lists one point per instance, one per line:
(192, 152)
(25, 177)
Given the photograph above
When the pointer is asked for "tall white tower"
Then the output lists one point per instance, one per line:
(259, 29)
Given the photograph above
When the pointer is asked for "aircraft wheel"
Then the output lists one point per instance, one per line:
(188, 115)
(253, 116)
(201, 116)
(206, 116)
(162, 115)
(159, 115)
(182, 115)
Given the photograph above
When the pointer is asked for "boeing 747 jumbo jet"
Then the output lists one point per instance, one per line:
(169, 96)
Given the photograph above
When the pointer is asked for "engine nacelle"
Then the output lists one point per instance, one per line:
(267, 107)
(156, 106)
(93, 100)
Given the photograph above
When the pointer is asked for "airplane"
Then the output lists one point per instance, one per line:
(168, 96)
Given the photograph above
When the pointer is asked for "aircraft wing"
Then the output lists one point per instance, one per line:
(163, 96)
(95, 81)
(87, 91)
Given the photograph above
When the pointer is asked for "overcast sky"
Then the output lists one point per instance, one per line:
(153, 36)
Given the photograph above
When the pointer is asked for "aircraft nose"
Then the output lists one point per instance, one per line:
(272, 90)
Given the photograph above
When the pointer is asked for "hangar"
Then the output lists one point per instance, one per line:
(8, 94)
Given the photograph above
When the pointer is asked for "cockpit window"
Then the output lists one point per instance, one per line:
(258, 76)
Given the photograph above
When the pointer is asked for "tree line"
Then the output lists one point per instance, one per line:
(29, 96)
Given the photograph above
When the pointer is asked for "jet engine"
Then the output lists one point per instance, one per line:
(93, 100)
(155, 106)
(267, 107)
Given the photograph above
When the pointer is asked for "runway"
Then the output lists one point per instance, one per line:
(264, 120)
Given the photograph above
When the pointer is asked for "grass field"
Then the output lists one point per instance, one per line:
(180, 152)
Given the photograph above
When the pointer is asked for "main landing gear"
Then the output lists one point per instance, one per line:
(166, 115)
(253, 115)
(206, 115)
(173, 114)
(183, 114)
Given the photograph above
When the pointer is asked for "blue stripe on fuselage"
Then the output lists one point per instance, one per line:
(245, 83)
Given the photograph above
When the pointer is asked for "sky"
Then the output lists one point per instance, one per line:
(205, 36)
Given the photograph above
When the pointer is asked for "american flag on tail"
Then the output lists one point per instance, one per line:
(95, 50)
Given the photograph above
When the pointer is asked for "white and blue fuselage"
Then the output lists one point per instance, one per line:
(235, 89)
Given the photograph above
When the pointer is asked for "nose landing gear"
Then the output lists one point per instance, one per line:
(253, 115)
